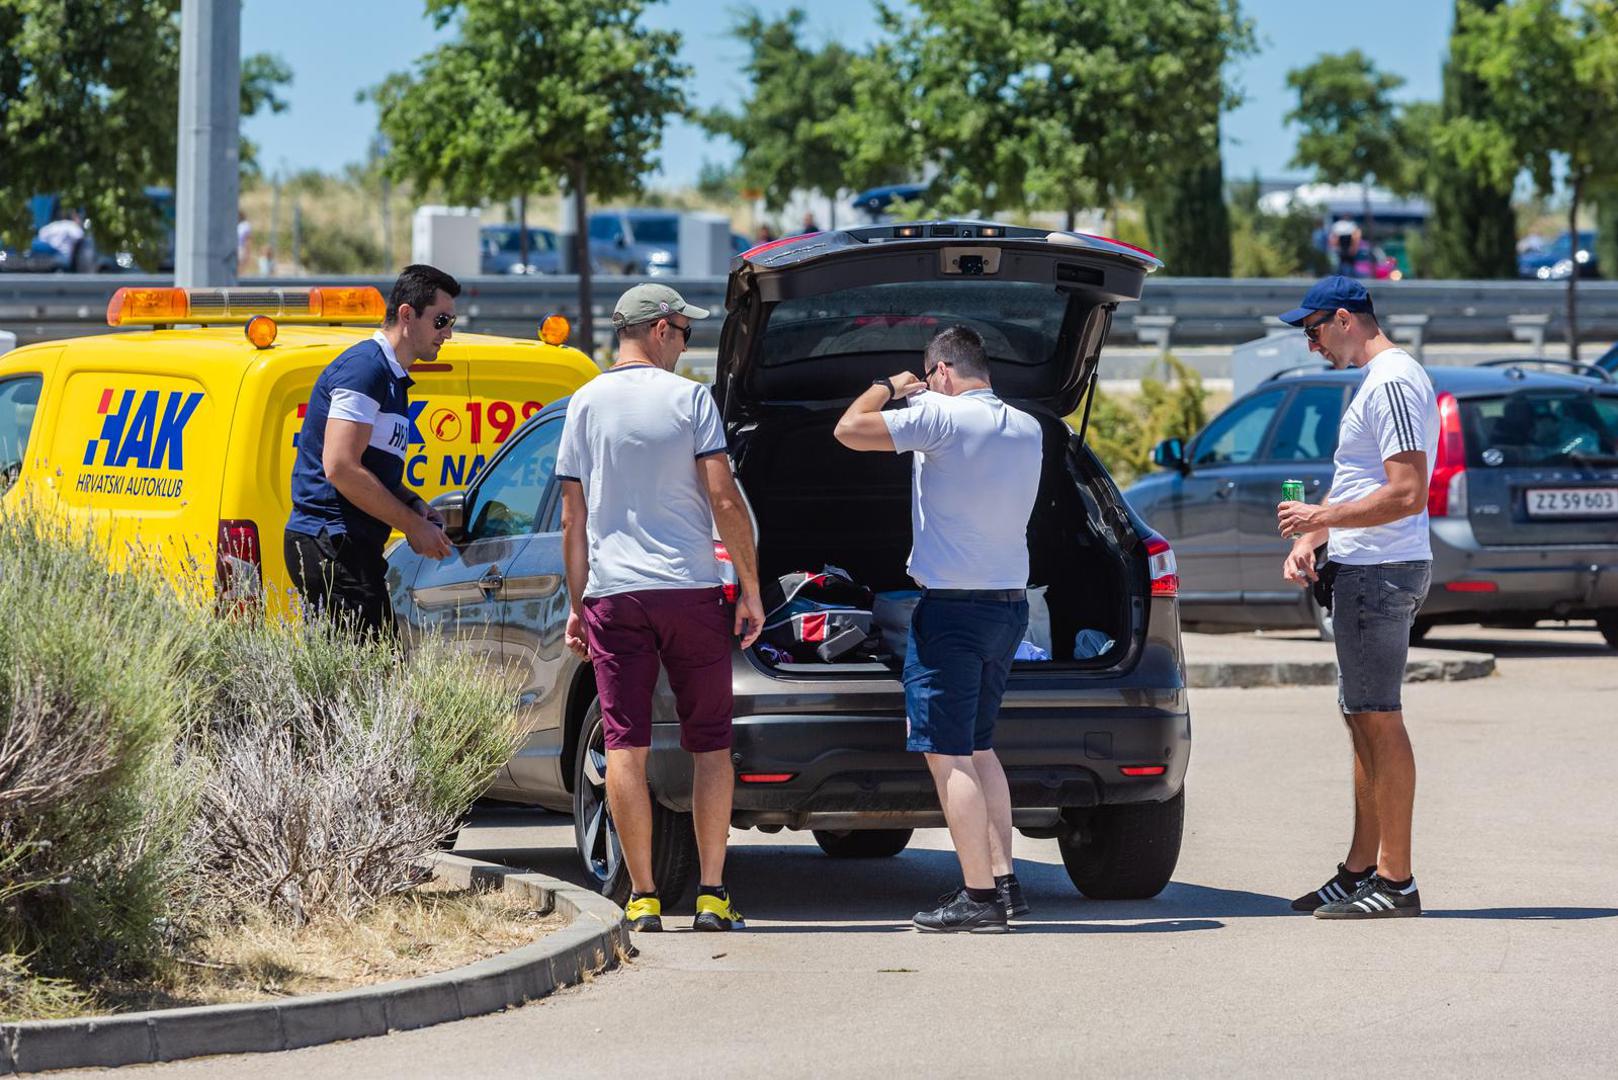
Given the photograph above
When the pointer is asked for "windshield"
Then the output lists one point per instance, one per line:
(656, 230)
(1539, 428)
(538, 240)
(1020, 321)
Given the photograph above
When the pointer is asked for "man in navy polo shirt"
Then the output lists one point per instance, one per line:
(348, 489)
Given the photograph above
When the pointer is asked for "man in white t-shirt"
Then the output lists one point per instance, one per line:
(1374, 523)
(975, 478)
(646, 477)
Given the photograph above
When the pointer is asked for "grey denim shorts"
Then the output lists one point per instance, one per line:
(1372, 608)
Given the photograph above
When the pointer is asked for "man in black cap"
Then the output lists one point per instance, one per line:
(1374, 523)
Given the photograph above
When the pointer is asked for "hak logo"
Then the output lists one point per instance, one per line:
(148, 434)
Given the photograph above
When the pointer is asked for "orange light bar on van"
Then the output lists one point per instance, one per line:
(164, 307)
(554, 330)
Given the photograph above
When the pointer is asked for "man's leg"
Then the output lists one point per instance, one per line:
(631, 806)
(1367, 839)
(965, 811)
(1393, 782)
(714, 785)
(623, 652)
(997, 798)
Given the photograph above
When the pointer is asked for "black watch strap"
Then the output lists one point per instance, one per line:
(887, 384)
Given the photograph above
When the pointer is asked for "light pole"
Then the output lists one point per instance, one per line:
(209, 173)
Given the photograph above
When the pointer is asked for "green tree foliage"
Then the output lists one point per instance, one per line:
(1024, 103)
(531, 94)
(1473, 232)
(1123, 431)
(89, 92)
(1187, 218)
(785, 127)
(1271, 245)
(1551, 71)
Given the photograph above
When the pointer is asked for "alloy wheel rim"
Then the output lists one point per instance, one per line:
(598, 835)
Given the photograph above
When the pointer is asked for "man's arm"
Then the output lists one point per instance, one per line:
(346, 440)
(736, 530)
(576, 561)
(862, 426)
(1404, 494)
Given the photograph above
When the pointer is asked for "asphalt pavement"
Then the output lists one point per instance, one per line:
(1512, 971)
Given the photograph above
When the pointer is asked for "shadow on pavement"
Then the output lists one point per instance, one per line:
(1536, 648)
(1543, 914)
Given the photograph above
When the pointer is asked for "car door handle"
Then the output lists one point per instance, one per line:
(491, 581)
(1225, 489)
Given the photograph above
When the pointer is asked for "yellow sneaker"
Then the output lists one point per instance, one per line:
(644, 914)
(716, 914)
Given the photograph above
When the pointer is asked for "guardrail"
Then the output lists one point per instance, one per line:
(1174, 311)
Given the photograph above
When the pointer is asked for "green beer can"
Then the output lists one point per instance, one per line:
(1292, 491)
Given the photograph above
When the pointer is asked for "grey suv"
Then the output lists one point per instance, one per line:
(1095, 747)
(1523, 500)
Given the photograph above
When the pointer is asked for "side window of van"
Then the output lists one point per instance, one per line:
(19, 398)
(508, 499)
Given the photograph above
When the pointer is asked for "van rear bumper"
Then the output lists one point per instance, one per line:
(1552, 582)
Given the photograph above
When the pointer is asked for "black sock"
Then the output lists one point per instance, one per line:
(1005, 879)
(643, 895)
(1401, 885)
(982, 896)
(713, 890)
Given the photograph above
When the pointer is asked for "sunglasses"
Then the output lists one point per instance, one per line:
(443, 319)
(928, 376)
(685, 330)
(1312, 330)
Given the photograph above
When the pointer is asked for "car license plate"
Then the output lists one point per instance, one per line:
(1573, 502)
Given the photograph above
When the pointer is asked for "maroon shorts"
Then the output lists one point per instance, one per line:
(688, 630)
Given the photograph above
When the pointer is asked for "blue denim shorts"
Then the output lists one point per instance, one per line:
(1372, 609)
(957, 659)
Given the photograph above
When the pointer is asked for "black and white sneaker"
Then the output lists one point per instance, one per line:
(964, 915)
(1344, 883)
(1378, 898)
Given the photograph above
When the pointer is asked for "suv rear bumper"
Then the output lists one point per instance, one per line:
(857, 765)
(1553, 582)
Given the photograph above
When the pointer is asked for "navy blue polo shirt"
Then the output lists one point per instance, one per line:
(364, 384)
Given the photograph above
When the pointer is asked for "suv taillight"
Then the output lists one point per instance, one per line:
(238, 567)
(1160, 566)
(1446, 493)
(727, 571)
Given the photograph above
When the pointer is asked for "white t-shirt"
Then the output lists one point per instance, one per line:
(1395, 410)
(632, 438)
(976, 475)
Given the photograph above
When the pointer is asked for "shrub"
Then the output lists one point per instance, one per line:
(1123, 432)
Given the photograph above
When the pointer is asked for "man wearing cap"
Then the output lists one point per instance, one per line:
(1374, 523)
(646, 478)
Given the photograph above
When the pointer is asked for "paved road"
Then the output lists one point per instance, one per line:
(1513, 971)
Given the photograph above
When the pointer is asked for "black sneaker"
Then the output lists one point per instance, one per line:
(1011, 897)
(1378, 898)
(1343, 885)
(964, 915)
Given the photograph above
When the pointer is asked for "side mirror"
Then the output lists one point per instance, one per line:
(451, 506)
(1170, 454)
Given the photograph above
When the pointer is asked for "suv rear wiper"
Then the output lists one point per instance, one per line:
(1592, 459)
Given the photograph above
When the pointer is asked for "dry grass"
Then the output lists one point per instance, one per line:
(432, 929)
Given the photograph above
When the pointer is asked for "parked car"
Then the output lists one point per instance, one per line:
(1095, 747)
(636, 242)
(1523, 499)
(37, 258)
(502, 250)
(875, 202)
(1559, 261)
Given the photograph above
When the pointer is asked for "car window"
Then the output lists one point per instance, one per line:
(605, 228)
(1540, 428)
(1307, 430)
(656, 230)
(508, 500)
(1237, 433)
(18, 399)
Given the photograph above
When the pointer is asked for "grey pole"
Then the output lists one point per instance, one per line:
(208, 173)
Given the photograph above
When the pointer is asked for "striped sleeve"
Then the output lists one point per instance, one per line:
(1399, 418)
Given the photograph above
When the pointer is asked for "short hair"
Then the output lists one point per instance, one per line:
(637, 331)
(418, 285)
(961, 347)
(1366, 319)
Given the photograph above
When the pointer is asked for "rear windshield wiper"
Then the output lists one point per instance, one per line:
(1592, 459)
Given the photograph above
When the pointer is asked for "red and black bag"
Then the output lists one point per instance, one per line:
(813, 616)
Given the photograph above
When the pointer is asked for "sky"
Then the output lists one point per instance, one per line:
(337, 49)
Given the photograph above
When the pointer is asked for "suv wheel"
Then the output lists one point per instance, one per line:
(863, 843)
(1125, 852)
(674, 843)
(1607, 623)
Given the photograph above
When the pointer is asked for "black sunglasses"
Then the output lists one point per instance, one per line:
(443, 319)
(928, 377)
(1312, 330)
(684, 330)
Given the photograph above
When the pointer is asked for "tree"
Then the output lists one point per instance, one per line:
(784, 129)
(1552, 74)
(1350, 124)
(1051, 102)
(1473, 233)
(1187, 219)
(535, 93)
(89, 93)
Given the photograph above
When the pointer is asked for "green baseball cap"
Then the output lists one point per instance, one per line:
(647, 302)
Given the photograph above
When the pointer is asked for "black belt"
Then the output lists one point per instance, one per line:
(1007, 595)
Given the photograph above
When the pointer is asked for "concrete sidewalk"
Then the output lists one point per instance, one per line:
(1300, 658)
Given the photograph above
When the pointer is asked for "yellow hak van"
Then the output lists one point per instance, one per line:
(176, 444)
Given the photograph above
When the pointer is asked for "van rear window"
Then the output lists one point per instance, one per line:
(1539, 428)
(1020, 321)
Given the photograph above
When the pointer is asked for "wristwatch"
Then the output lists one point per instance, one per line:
(886, 384)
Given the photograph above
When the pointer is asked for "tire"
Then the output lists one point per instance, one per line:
(1125, 852)
(1322, 619)
(863, 843)
(1607, 623)
(674, 841)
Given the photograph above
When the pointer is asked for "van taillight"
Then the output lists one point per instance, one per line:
(727, 571)
(238, 567)
(1446, 493)
(1160, 566)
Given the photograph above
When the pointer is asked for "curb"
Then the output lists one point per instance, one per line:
(1424, 665)
(595, 940)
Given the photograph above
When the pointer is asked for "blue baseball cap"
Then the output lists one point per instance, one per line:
(1329, 294)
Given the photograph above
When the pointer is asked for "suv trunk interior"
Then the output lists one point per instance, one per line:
(819, 503)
